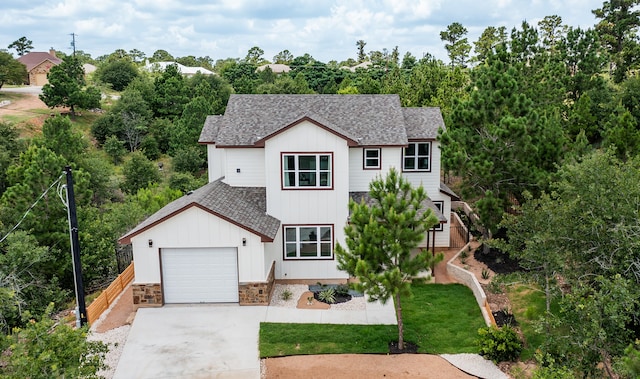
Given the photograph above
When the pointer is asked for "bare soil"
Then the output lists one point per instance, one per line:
(22, 108)
(362, 366)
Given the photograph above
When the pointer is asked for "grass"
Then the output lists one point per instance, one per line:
(528, 305)
(439, 318)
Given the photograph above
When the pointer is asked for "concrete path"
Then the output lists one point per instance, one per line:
(217, 341)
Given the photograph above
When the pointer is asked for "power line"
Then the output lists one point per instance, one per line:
(31, 207)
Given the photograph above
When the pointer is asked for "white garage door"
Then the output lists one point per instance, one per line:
(207, 275)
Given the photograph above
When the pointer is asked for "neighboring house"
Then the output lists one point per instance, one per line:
(38, 65)
(364, 65)
(282, 169)
(89, 68)
(276, 68)
(184, 70)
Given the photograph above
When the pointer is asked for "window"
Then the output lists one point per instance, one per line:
(440, 206)
(308, 242)
(306, 170)
(372, 159)
(417, 157)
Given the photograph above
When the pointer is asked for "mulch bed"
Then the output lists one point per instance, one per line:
(409, 348)
(497, 261)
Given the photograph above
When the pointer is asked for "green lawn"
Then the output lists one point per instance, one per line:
(439, 318)
(528, 305)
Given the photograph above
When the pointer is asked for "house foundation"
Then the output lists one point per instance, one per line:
(147, 295)
(257, 293)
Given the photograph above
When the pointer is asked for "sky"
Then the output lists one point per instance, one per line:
(325, 29)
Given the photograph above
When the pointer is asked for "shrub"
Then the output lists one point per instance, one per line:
(286, 295)
(499, 344)
(342, 289)
(327, 295)
(485, 273)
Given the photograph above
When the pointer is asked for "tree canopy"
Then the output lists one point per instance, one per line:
(66, 87)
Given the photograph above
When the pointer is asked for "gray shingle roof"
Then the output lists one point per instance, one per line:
(426, 204)
(243, 206)
(366, 120)
(423, 123)
(448, 191)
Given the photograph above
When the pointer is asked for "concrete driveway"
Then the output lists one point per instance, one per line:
(205, 341)
(217, 341)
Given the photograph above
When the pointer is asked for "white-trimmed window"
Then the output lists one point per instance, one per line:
(308, 242)
(372, 159)
(306, 171)
(417, 157)
(440, 205)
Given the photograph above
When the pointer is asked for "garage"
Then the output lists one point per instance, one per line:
(200, 275)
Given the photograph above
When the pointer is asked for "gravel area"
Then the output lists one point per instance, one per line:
(355, 304)
(475, 365)
(115, 339)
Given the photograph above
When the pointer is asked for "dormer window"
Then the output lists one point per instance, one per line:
(306, 171)
(417, 157)
(372, 159)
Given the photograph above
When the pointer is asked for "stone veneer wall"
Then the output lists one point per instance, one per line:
(147, 295)
(257, 293)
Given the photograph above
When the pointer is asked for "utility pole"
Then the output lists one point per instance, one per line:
(81, 309)
(73, 43)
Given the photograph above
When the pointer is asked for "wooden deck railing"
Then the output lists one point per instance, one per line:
(106, 298)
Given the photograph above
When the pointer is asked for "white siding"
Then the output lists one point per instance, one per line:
(197, 228)
(359, 178)
(298, 207)
(250, 163)
(215, 159)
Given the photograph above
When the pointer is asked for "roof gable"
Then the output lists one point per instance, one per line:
(33, 59)
(242, 206)
(351, 141)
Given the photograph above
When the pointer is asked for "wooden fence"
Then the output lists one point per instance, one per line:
(106, 298)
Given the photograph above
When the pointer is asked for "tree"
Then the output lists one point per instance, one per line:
(137, 56)
(284, 57)
(458, 47)
(489, 142)
(618, 28)
(10, 149)
(254, 56)
(11, 71)
(139, 172)
(161, 56)
(22, 45)
(58, 136)
(118, 73)
(381, 238)
(170, 94)
(66, 87)
(487, 42)
(552, 31)
(621, 132)
(360, 44)
(25, 274)
(46, 349)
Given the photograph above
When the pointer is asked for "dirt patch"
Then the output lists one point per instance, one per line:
(307, 301)
(23, 108)
(361, 366)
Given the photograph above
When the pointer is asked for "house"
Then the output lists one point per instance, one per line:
(363, 66)
(184, 70)
(38, 65)
(282, 169)
(276, 68)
